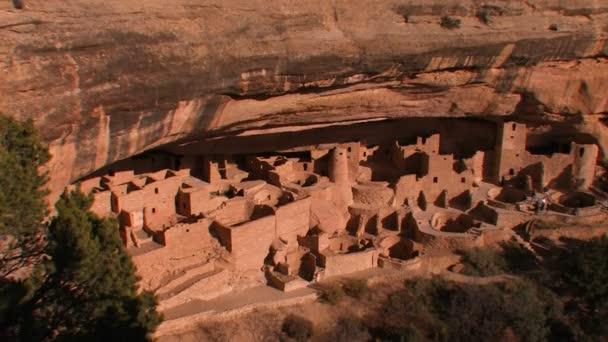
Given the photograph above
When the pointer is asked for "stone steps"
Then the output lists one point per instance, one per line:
(474, 231)
(525, 244)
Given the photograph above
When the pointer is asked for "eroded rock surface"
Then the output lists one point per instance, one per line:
(105, 80)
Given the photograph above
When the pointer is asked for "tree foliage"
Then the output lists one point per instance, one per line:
(482, 262)
(585, 275)
(88, 287)
(298, 328)
(461, 312)
(586, 270)
(22, 204)
(79, 282)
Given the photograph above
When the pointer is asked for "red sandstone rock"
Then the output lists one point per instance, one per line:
(105, 80)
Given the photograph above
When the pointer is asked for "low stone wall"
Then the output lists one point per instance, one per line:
(572, 232)
(337, 264)
(285, 283)
(398, 264)
(188, 322)
(510, 218)
(495, 235)
(213, 284)
(502, 205)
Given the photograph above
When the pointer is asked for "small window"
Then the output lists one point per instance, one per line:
(155, 190)
(341, 153)
(111, 173)
(435, 179)
(517, 155)
(365, 154)
(349, 149)
(514, 126)
(463, 180)
(269, 197)
(581, 151)
(512, 137)
(305, 167)
(423, 141)
(153, 210)
(512, 172)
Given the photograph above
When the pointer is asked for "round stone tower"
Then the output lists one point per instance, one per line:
(338, 173)
(338, 166)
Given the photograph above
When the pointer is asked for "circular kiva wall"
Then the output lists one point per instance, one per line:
(577, 199)
(397, 247)
(452, 222)
(372, 194)
(507, 195)
(347, 244)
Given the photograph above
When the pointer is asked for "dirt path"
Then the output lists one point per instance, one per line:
(461, 278)
(188, 315)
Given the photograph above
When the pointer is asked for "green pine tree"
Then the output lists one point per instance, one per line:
(22, 192)
(79, 282)
(91, 291)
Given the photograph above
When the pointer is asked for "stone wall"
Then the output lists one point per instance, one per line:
(102, 203)
(293, 219)
(337, 264)
(583, 168)
(250, 242)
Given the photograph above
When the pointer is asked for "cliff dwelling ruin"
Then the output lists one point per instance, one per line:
(204, 218)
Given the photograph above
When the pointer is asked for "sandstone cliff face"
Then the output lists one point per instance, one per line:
(106, 79)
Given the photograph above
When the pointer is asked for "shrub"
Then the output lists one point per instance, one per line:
(553, 27)
(332, 293)
(586, 270)
(297, 327)
(407, 333)
(349, 329)
(482, 262)
(485, 11)
(356, 288)
(518, 259)
(484, 313)
(483, 16)
(450, 23)
(441, 310)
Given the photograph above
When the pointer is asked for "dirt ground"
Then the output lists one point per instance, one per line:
(265, 324)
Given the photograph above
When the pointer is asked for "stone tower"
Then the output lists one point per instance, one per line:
(338, 173)
(510, 149)
(584, 159)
